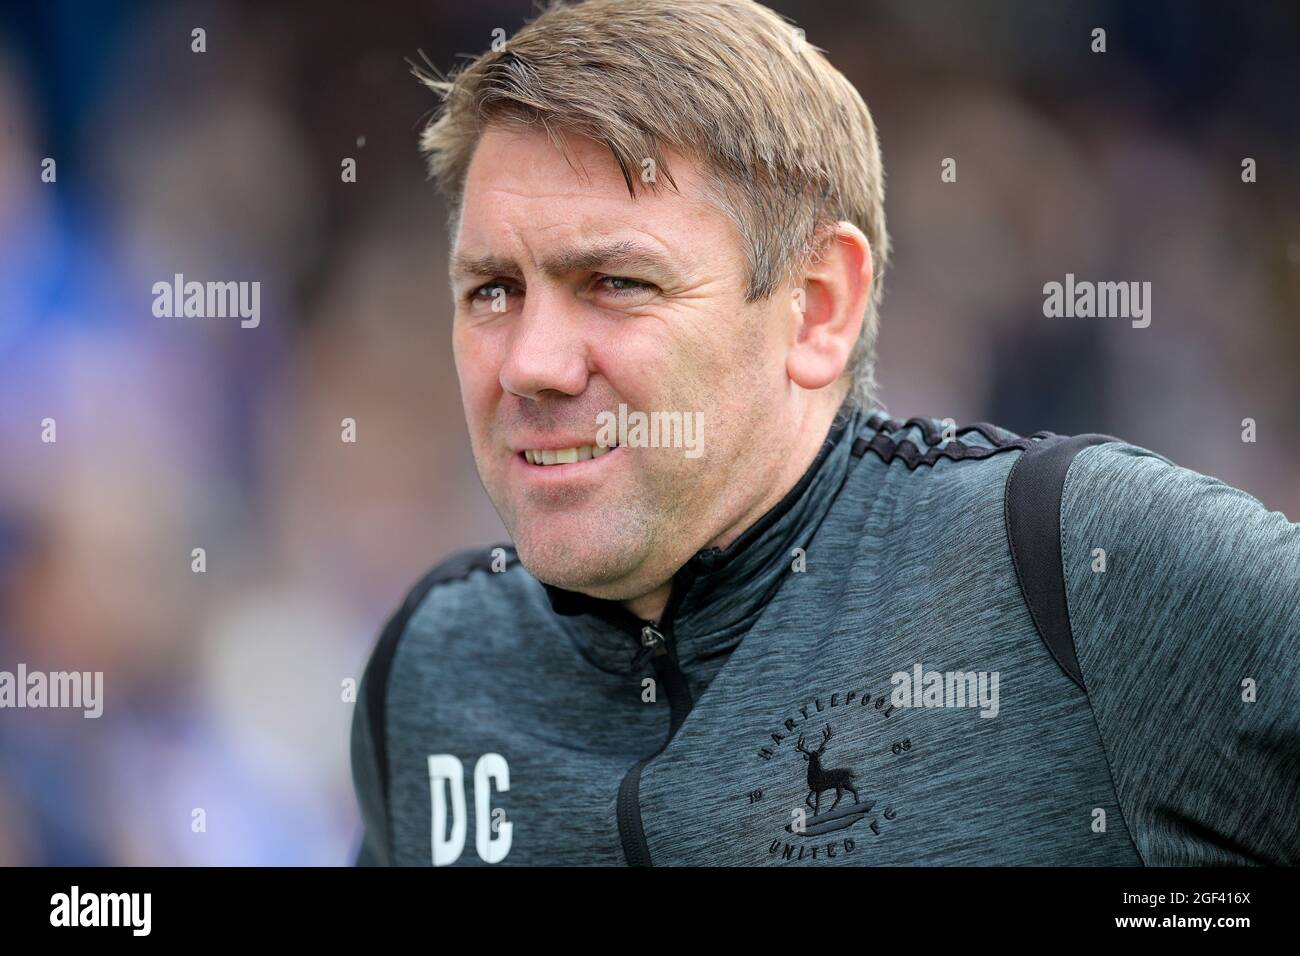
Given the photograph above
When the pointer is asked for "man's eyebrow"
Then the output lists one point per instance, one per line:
(606, 256)
(462, 265)
(602, 256)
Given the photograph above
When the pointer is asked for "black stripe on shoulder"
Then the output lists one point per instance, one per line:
(1032, 506)
(455, 568)
(887, 449)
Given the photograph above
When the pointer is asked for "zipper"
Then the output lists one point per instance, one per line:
(656, 641)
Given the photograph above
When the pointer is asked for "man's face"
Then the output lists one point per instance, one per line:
(600, 301)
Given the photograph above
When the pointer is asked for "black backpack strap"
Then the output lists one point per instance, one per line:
(1032, 504)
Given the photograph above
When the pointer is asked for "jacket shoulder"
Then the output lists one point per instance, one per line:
(461, 566)
(1184, 595)
(369, 735)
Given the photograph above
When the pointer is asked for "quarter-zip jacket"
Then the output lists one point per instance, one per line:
(858, 680)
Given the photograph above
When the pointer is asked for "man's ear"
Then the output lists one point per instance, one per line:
(828, 307)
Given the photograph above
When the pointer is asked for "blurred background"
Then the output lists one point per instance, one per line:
(223, 689)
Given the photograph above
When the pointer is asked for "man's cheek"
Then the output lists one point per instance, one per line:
(479, 375)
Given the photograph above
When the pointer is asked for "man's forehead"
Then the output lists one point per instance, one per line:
(583, 255)
(561, 220)
(523, 174)
(510, 155)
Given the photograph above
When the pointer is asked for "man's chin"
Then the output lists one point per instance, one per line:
(578, 562)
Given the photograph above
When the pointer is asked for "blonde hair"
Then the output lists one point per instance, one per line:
(787, 145)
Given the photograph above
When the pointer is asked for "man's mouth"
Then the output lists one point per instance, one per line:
(565, 456)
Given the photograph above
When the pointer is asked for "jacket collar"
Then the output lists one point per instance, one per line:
(719, 592)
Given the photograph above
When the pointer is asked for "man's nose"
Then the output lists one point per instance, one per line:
(546, 350)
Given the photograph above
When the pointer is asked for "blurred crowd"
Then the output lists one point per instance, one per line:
(225, 690)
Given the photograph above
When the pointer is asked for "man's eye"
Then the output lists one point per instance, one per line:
(621, 285)
(488, 291)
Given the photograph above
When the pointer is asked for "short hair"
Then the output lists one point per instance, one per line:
(786, 144)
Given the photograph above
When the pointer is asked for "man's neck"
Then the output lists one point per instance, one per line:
(650, 606)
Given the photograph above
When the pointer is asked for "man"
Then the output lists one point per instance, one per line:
(748, 619)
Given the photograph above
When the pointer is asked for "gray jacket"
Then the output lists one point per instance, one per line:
(982, 650)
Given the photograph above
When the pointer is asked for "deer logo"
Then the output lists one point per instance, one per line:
(820, 779)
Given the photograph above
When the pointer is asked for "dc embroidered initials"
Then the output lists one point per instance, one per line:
(447, 773)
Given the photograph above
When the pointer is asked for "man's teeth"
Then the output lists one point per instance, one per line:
(564, 456)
